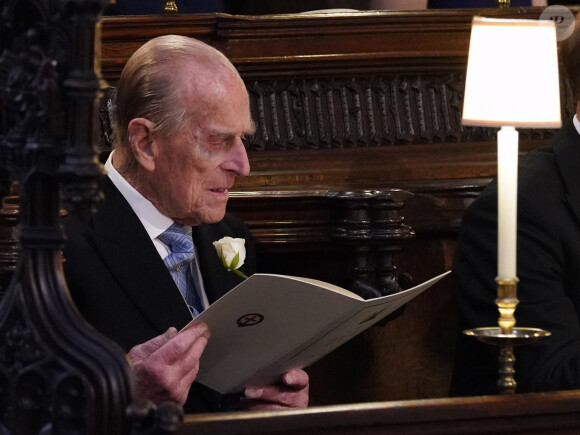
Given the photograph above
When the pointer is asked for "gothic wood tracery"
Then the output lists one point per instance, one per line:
(57, 375)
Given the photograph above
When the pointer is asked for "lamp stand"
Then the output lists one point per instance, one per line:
(496, 46)
(506, 335)
(169, 7)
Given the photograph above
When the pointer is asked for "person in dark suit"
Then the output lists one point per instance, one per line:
(182, 111)
(548, 266)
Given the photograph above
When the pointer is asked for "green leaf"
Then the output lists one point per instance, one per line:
(235, 261)
(223, 259)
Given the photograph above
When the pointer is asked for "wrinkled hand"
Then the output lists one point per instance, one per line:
(166, 366)
(291, 393)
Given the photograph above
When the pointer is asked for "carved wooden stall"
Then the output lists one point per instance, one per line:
(349, 107)
(57, 375)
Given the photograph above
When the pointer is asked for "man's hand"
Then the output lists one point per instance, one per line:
(292, 393)
(166, 366)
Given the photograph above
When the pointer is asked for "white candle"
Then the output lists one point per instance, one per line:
(507, 202)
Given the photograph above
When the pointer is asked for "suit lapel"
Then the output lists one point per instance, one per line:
(217, 280)
(132, 258)
(567, 153)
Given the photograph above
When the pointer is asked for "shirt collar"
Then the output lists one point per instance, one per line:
(576, 123)
(151, 218)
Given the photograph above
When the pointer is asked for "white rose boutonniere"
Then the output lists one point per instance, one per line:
(232, 252)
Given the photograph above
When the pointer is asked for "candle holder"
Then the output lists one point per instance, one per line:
(506, 335)
(527, 49)
(169, 7)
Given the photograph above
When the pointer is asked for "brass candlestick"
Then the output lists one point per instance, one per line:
(502, 3)
(169, 7)
(506, 336)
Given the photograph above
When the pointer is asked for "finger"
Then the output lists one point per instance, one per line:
(277, 396)
(280, 400)
(293, 380)
(170, 333)
(184, 350)
(191, 360)
(297, 379)
(175, 354)
(143, 350)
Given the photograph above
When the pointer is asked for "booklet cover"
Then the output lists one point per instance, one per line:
(270, 324)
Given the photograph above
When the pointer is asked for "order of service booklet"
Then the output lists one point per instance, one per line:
(270, 324)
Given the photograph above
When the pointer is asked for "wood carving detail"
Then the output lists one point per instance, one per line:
(370, 222)
(337, 112)
(57, 375)
(34, 393)
(351, 112)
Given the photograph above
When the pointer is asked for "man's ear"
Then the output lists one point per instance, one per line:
(142, 142)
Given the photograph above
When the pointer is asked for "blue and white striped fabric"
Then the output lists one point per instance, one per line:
(180, 263)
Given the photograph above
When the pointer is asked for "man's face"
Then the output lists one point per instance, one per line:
(197, 166)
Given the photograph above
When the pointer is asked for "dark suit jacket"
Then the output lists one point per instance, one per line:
(122, 287)
(548, 268)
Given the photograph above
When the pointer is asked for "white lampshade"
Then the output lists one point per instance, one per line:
(512, 74)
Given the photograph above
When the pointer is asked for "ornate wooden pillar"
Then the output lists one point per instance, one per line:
(369, 221)
(57, 375)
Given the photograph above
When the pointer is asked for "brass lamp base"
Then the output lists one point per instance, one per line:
(169, 7)
(506, 341)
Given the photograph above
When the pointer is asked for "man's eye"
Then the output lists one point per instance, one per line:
(248, 139)
(215, 142)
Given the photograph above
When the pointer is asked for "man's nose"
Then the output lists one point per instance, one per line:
(238, 161)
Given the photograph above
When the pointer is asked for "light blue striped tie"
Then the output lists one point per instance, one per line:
(179, 263)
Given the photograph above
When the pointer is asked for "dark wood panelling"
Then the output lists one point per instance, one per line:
(549, 413)
(356, 101)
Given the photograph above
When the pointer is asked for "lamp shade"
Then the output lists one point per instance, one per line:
(512, 74)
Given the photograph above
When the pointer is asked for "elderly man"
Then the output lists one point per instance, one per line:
(182, 111)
